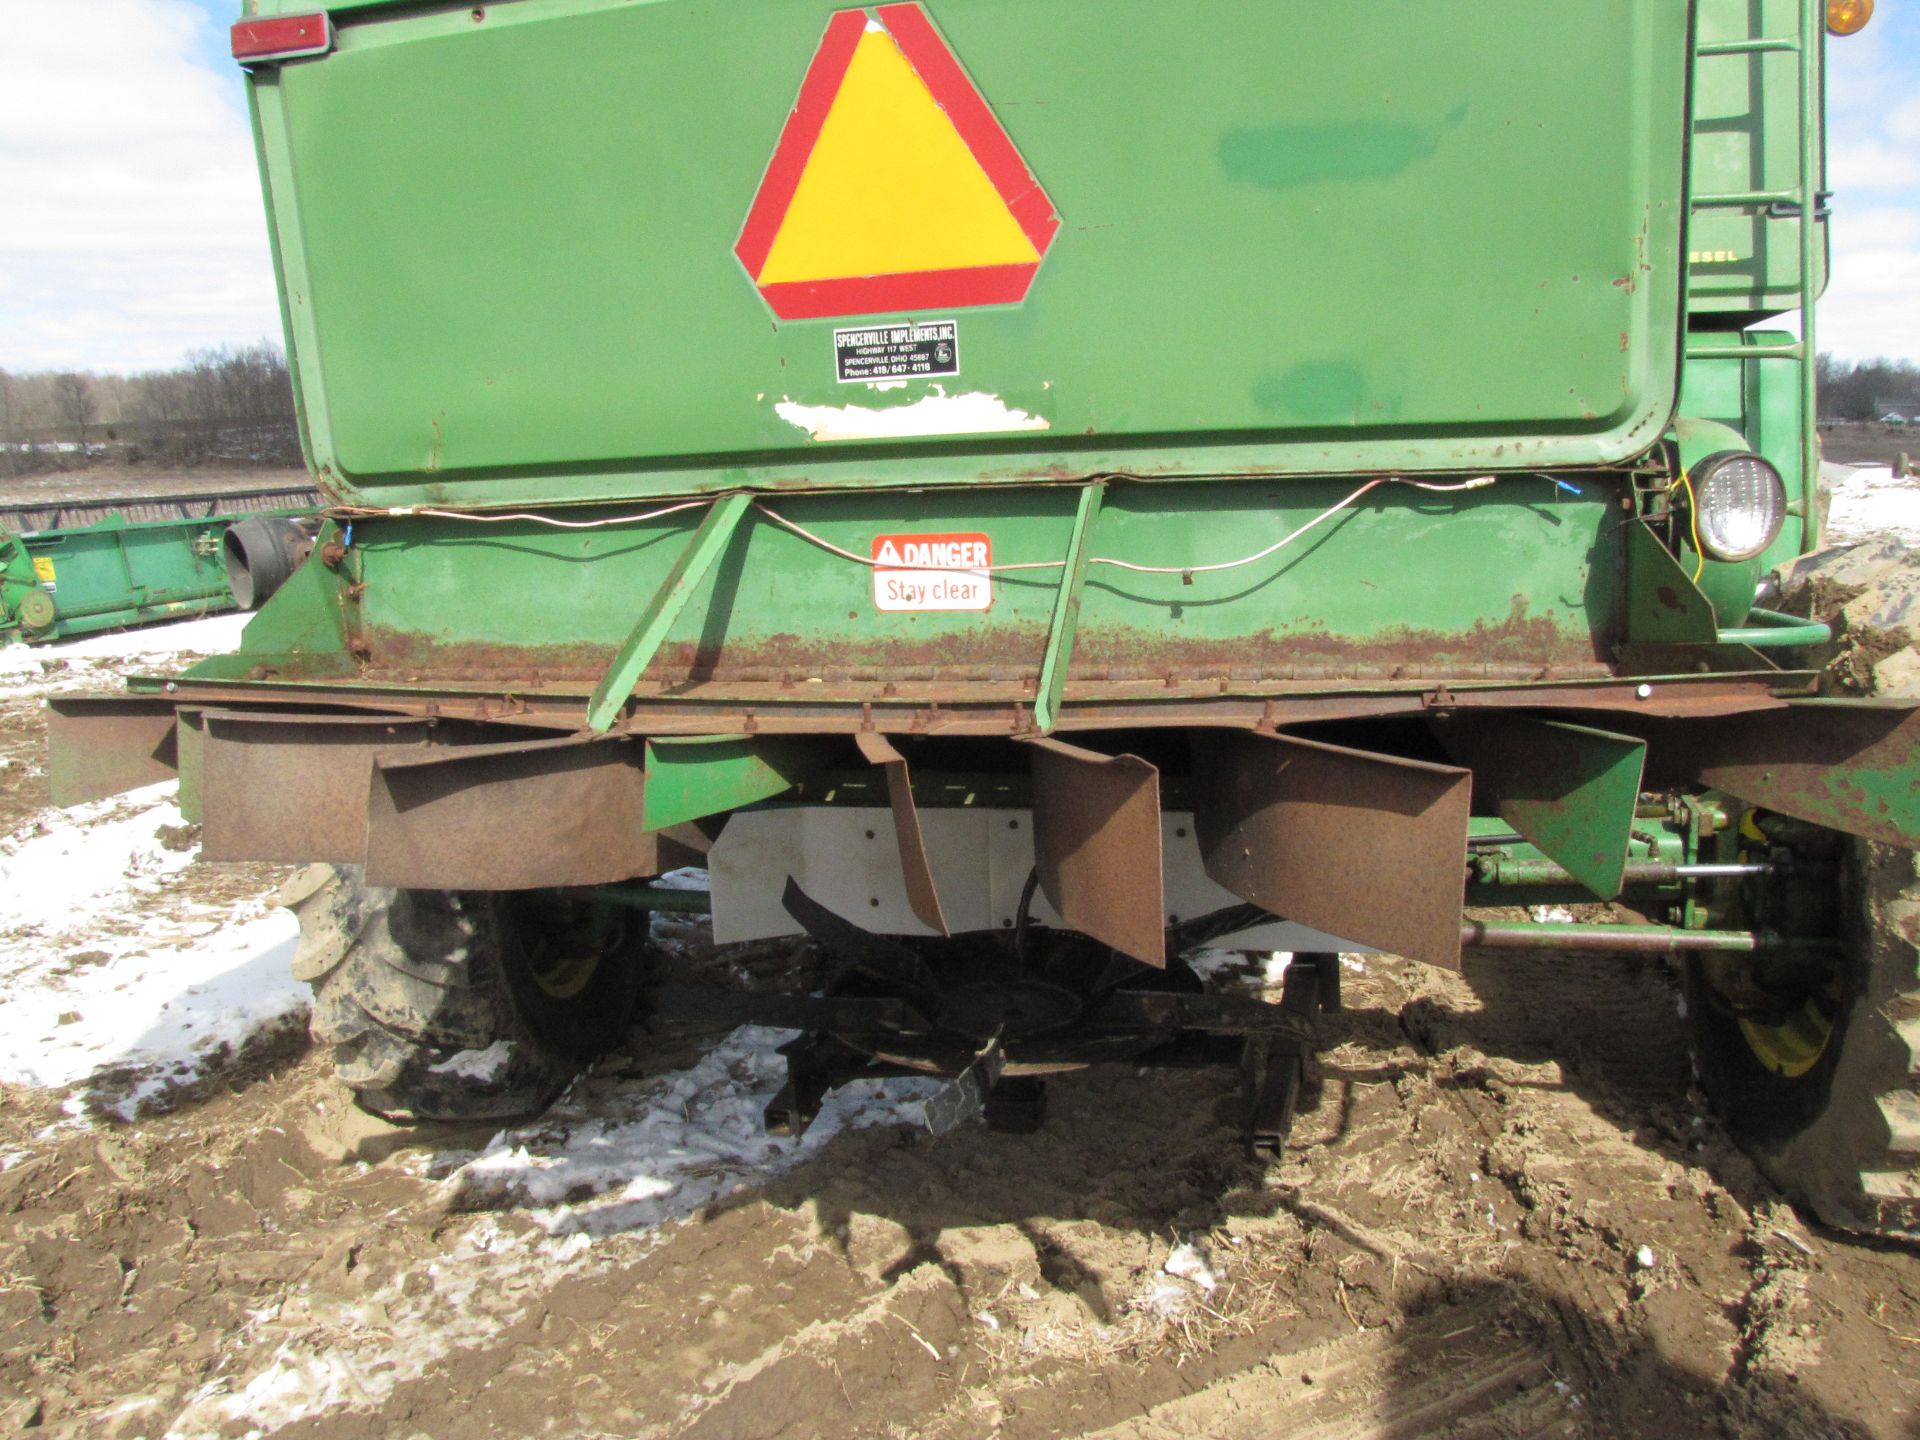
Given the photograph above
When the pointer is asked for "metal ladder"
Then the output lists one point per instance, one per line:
(1802, 202)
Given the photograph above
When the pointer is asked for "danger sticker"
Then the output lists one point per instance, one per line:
(932, 572)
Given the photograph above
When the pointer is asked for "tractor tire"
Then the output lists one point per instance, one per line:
(1826, 1102)
(461, 1005)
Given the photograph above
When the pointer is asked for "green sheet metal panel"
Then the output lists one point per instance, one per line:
(1516, 580)
(1294, 239)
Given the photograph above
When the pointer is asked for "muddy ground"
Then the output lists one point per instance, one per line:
(1869, 443)
(1505, 1216)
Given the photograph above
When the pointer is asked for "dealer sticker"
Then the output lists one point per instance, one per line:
(932, 572)
(897, 352)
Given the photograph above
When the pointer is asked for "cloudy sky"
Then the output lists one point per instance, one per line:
(131, 232)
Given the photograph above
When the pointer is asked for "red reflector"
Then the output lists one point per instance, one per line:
(285, 37)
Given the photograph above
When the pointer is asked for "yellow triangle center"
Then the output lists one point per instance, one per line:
(890, 188)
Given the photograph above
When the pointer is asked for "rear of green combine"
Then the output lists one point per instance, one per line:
(975, 470)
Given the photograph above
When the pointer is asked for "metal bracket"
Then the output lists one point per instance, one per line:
(1066, 611)
(644, 641)
(1790, 209)
(915, 867)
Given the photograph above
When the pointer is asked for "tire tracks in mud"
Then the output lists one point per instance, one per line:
(1448, 1248)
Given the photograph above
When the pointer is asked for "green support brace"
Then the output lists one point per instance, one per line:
(643, 643)
(1664, 606)
(1570, 789)
(1066, 611)
(693, 776)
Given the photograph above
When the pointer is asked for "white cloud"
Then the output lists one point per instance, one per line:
(1902, 122)
(1872, 304)
(1871, 165)
(131, 227)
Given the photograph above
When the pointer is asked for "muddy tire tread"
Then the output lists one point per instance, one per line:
(405, 983)
(1856, 1165)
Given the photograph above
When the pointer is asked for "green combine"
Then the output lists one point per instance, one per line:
(1019, 492)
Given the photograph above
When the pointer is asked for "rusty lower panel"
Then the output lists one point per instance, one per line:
(1096, 845)
(291, 788)
(519, 816)
(101, 745)
(1363, 845)
(935, 710)
(1518, 645)
(916, 869)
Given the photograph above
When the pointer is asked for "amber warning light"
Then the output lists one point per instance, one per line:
(285, 37)
(1846, 17)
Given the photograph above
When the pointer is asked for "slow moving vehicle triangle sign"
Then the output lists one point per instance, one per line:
(893, 187)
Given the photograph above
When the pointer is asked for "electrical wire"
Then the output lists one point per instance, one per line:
(1183, 570)
(1186, 571)
(496, 517)
(833, 549)
(1693, 524)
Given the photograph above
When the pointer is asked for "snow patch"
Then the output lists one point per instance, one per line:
(601, 1181)
(1189, 1262)
(1868, 500)
(688, 878)
(638, 1159)
(206, 635)
(481, 1065)
(974, 413)
(101, 969)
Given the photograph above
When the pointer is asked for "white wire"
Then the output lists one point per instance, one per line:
(871, 564)
(1327, 514)
(1287, 540)
(489, 518)
(492, 518)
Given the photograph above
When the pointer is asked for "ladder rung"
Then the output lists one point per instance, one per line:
(1736, 198)
(1756, 46)
(1790, 350)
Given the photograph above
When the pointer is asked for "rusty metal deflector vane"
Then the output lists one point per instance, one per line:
(1357, 844)
(510, 817)
(1853, 765)
(101, 745)
(915, 867)
(1096, 845)
(292, 787)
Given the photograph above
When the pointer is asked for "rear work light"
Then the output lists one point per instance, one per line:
(284, 37)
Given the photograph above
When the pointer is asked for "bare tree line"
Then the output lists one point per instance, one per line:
(1862, 390)
(196, 411)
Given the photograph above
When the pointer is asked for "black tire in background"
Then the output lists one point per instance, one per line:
(452, 1005)
(1825, 1102)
